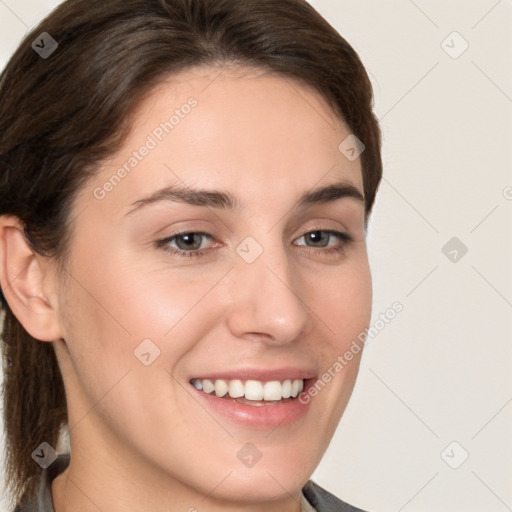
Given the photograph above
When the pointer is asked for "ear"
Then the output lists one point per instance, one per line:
(27, 283)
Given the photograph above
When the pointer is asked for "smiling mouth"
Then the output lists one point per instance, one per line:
(252, 392)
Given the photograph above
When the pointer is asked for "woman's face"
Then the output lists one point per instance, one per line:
(264, 291)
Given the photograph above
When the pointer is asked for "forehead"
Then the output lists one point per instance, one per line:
(243, 129)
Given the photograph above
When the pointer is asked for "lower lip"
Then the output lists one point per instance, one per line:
(262, 416)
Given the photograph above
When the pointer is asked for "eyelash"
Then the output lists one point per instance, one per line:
(345, 239)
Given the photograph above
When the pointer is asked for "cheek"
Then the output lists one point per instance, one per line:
(127, 300)
(343, 309)
(107, 316)
(343, 303)
(123, 305)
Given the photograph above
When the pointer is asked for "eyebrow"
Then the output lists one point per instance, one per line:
(226, 200)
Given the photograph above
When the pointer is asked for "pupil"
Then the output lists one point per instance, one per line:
(189, 240)
(315, 235)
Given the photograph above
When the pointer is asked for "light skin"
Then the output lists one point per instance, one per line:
(139, 439)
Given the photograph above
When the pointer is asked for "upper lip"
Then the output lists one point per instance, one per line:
(261, 374)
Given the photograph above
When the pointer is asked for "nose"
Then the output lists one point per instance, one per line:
(268, 303)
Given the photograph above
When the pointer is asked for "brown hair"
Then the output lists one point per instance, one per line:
(62, 115)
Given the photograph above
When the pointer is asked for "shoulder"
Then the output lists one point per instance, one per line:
(42, 502)
(323, 501)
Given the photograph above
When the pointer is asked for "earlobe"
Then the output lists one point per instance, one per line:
(22, 275)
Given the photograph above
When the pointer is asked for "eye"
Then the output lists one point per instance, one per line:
(189, 244)
(322, 236)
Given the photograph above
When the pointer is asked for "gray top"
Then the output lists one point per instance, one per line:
(313, 499)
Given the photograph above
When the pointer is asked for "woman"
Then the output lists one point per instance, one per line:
(185, 190)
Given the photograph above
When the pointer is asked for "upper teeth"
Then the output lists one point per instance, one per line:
(251, 389)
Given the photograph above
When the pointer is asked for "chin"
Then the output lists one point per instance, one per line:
(264, 482)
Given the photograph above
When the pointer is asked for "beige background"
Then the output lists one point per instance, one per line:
(440, 371)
